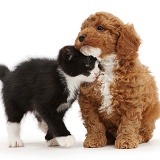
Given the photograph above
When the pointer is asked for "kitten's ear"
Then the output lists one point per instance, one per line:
(68, 54)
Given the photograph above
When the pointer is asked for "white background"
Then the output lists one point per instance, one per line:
(39, 28)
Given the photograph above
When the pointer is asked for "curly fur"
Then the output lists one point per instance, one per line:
(122, 105)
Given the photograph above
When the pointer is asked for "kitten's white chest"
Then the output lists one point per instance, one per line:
(70, 99)
(106, 78)
(72, 86)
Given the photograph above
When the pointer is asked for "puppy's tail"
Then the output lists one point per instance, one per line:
(4, 71)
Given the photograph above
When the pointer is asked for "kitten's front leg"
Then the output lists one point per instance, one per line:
(50, 140)
(57, 133)
(55, 141)
(64, 141)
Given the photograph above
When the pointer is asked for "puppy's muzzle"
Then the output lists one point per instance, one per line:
(82, 37)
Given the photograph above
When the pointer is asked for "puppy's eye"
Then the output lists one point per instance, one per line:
(99, 66)
(100, 28)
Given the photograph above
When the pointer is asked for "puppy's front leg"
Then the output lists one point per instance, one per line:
(96, 133)
(128, 131)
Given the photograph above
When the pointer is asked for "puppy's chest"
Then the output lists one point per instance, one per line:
(106, 78)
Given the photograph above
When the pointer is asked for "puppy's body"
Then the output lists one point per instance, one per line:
(47, 87)
(122, 105)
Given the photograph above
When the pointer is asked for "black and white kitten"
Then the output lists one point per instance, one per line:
(47, 88)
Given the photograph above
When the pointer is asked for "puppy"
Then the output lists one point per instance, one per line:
(122, 105)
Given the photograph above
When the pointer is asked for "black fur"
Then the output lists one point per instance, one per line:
(38, 85)
(3, 72)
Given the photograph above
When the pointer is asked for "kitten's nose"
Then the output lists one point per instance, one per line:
(82, 37)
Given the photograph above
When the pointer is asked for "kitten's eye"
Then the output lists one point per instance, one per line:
(100, 28)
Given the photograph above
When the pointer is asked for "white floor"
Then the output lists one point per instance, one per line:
(35, 146)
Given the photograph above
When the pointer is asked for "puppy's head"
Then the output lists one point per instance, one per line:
(103, 34)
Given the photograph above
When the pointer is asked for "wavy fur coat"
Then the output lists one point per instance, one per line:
(122, 105)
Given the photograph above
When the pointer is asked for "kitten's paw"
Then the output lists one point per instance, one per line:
(67, 141)
(15, 142)
(52, 143)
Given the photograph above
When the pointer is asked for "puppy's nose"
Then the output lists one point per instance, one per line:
(82, 37)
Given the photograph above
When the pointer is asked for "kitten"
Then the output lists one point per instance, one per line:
(48, 88)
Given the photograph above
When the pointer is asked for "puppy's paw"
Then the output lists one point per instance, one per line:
(95, 142)
(126, 143)
(67, 141)
(15, 142)
(52, 143)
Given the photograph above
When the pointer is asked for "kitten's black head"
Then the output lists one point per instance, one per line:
(74, 63)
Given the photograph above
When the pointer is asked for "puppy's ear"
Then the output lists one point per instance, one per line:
(129, 41)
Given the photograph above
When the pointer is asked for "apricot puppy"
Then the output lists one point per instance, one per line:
(122, 105)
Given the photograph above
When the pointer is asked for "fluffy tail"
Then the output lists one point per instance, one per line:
(3, 72)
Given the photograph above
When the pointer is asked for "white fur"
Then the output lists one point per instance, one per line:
(52, 143)
(14, 135)
(73, 84)
(67, 141)
(106, 78)
(89, 50)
